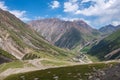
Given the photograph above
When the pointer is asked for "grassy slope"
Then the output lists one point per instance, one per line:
(15, 64)
(106, 45)
(19, 31)
(70, 39)
(64, 73)
(25, 63)
(56, 62)
(73, 38)
(6, 54)
(85, 49)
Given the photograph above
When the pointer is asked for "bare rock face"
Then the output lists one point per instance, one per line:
(65, 34)
(112, 73)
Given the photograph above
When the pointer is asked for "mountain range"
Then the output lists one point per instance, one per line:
(65, 34)
(71, 34)
(108, 48)
(108, 29)
(50, 43)
(19, 41)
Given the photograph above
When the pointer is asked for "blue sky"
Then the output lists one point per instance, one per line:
(96, 13)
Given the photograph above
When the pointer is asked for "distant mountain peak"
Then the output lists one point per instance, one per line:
(60, 32)
(108, 29)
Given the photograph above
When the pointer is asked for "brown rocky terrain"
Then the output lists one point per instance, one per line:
(110, 73)
(65, 34)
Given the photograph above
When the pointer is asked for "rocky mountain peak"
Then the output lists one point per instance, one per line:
(59, 32)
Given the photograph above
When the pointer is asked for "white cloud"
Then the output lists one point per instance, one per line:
(73, 19)
(105, 11)
(100, 8)
(69, 19)
(2, 5)
(55, 4)
(83, 1)
(116, 23)
(40, 17)
(73, 0)
(19, 14)
(71, 6)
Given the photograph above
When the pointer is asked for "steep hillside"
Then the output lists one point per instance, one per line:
(65, 34)
(24, 43)
(5, 57)
(108, 48)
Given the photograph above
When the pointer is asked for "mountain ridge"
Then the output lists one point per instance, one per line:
(55, 31)
(21, 41)
(108, 29)
(108, 48)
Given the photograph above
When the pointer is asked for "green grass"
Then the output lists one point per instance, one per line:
(85, 49)
(30, 56)
(63, 73)
(6, 54)
(15, 64)
(69, 39)
(93, 58)
(105, 46)
(54, 63)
